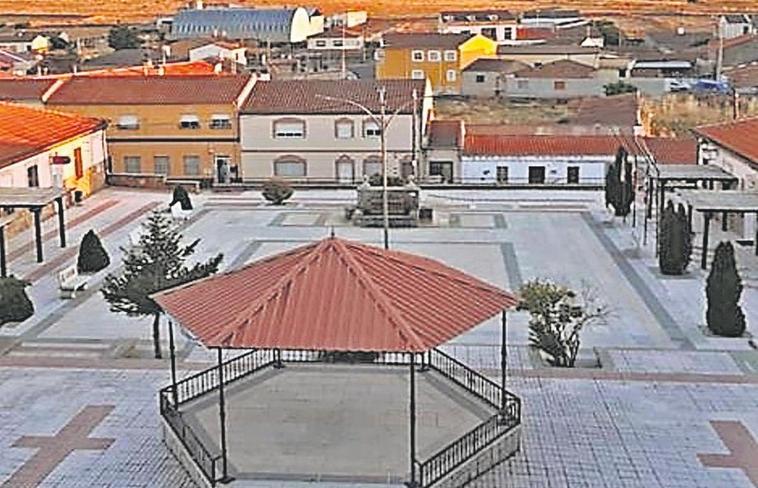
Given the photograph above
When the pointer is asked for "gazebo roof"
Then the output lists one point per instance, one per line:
(335, 295)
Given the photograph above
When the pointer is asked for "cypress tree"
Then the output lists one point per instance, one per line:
(684, 221)
(723, 288)
(670, 243)
(92, 255)
(15, 304)
(619, 194)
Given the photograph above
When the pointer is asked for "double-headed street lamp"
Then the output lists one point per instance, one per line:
(383, 121)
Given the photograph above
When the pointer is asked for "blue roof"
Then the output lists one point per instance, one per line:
(273, 25)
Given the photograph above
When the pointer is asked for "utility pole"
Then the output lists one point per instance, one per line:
(383, 136)
(415, 134)
(344, 68)
(720, 54)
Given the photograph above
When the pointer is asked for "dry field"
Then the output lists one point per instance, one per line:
(630, 13)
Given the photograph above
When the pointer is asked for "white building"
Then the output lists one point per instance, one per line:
(537, 159)
(40, 148)
(498, 25)
(222, 50)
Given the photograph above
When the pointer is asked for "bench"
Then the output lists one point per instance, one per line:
(69, 282)
(178, 213)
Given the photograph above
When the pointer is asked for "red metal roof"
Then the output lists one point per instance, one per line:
(335, 295)
(541, 145)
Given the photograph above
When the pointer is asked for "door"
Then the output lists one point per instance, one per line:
(536, 174)
(444, 169)
(32, 176)
(78, 163)
(222, 169)
(345, 171)
(502, 174)
(572, 174)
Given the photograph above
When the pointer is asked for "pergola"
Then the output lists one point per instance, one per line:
(34, 199)
(339, 296)
(724, 202)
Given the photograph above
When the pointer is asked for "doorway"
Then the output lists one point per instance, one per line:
(536, 174)
(223, 164)
(443, 169)
(345, 168)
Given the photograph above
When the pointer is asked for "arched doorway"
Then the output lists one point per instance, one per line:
(344, 169)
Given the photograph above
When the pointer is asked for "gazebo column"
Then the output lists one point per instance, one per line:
(724, 221)
(3, 264)
(61, 222)
(756, 233)
(172, 352)
(503, 362)
(412, 426)
(689, 216)
(225, 478)
(706, 229)
(38, 232)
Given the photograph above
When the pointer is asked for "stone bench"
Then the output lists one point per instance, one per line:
(70, 281)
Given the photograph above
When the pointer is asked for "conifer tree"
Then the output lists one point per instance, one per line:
(670, 242)
(686, 235)
(619, 194)
(15, 304)
(724, 315)
(158, 263)
(92, 255)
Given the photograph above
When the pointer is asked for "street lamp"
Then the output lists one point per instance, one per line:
(383, 121)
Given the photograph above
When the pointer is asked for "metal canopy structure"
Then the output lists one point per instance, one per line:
(726, 202)
(33, 199)
(342, 296)
(692, 173)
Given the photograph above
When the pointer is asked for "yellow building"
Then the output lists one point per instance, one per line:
(440, 58)
(180, 127)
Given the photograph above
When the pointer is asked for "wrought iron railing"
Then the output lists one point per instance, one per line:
(467, 378)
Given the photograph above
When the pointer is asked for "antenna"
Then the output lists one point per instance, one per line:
(331, 232)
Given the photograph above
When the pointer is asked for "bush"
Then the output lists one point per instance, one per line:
(182, 197)
(618, 88)
(722, 290)
(619, 194)
(277, 191)
(92, 255)
(376, 180)
(674, 243)
(15, 305)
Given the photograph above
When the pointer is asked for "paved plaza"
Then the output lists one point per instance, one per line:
(656, 401)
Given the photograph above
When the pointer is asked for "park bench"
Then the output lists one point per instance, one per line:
(70, 281)
(180, 214)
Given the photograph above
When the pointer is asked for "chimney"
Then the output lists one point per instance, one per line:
(680, 31)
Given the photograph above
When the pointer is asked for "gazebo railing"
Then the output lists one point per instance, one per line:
(467, 378)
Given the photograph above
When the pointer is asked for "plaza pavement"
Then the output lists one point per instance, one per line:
(669, 406)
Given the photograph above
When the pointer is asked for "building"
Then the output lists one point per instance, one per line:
(17, 64)
(275, 25)
(735, 51)
(733, 147)
(556, 80)
(331, 47)
(736, 25)
(537, 159)
(744, 79)
(440, 58)
(485, 77)
(498, 25)
(24, 42)
(42, 148)
(303, 130)
(220, 50)
(442, 150)
(542, 54)
(558, 18)
(177, 127)
(28, 91)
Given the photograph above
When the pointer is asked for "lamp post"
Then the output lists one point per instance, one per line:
(383, 121)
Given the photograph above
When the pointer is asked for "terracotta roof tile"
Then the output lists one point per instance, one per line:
(13, 89)
(672, 150)
(26, 131)
(335, 295)
(445, 133)
(150, 90)
(542, 145)
(422, 40)
(738, 137)
(562, 68)
(494, 65)
(313, 96)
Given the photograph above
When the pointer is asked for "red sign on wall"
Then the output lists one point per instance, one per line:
(61, 160)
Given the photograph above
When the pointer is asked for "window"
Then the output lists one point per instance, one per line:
(189, 122)
(344, 129)
(536, 174)
(371, 129)
(417, 56)
(78, 163)
(572, 174)
(321, 43)
(161, 164)
(522, 84)
(451, 75)
(434, 56)
(559, 85)
(480, 78)
(451, 55)
(192, 165)
(32, 176)
(291, 167)
(289, 129)
(128, 122)
(443, 169)
(490, 32)
(508, 33)
(221, 121)
(132, 164)
(372, 166)
(418, 74)
(502, 174)
(337, 43)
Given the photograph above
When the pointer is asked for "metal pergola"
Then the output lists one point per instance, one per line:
(727, 202)
(33, 199)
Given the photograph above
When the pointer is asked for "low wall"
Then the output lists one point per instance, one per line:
(155, 182)
(484, 461)
(174, 444)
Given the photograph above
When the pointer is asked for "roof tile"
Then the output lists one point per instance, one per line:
(738, 137)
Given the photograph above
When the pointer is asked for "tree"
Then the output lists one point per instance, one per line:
(158, 263)
(686, 234)
(723, 288)
(123, 37)
(558, 316)
(92, 255)
(618, 88)
(182, 197)
(672, 243)
(619, 194)
(277, 191)
(15, 305)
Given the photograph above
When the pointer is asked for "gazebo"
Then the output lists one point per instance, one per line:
(339, 297)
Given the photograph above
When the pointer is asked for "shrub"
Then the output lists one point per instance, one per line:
(619, 194)
(182, 197)
(722, 290)
(92, 255)
(618, 88)
(15, 305)
(376, 180)
(277, 191)
(673, 243)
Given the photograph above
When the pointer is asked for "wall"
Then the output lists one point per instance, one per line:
(488, 88)
(544, 88)
(319, 165)
(348, 43)
(501, 29)
(742, 54)
(589, 59)
(592, 169)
